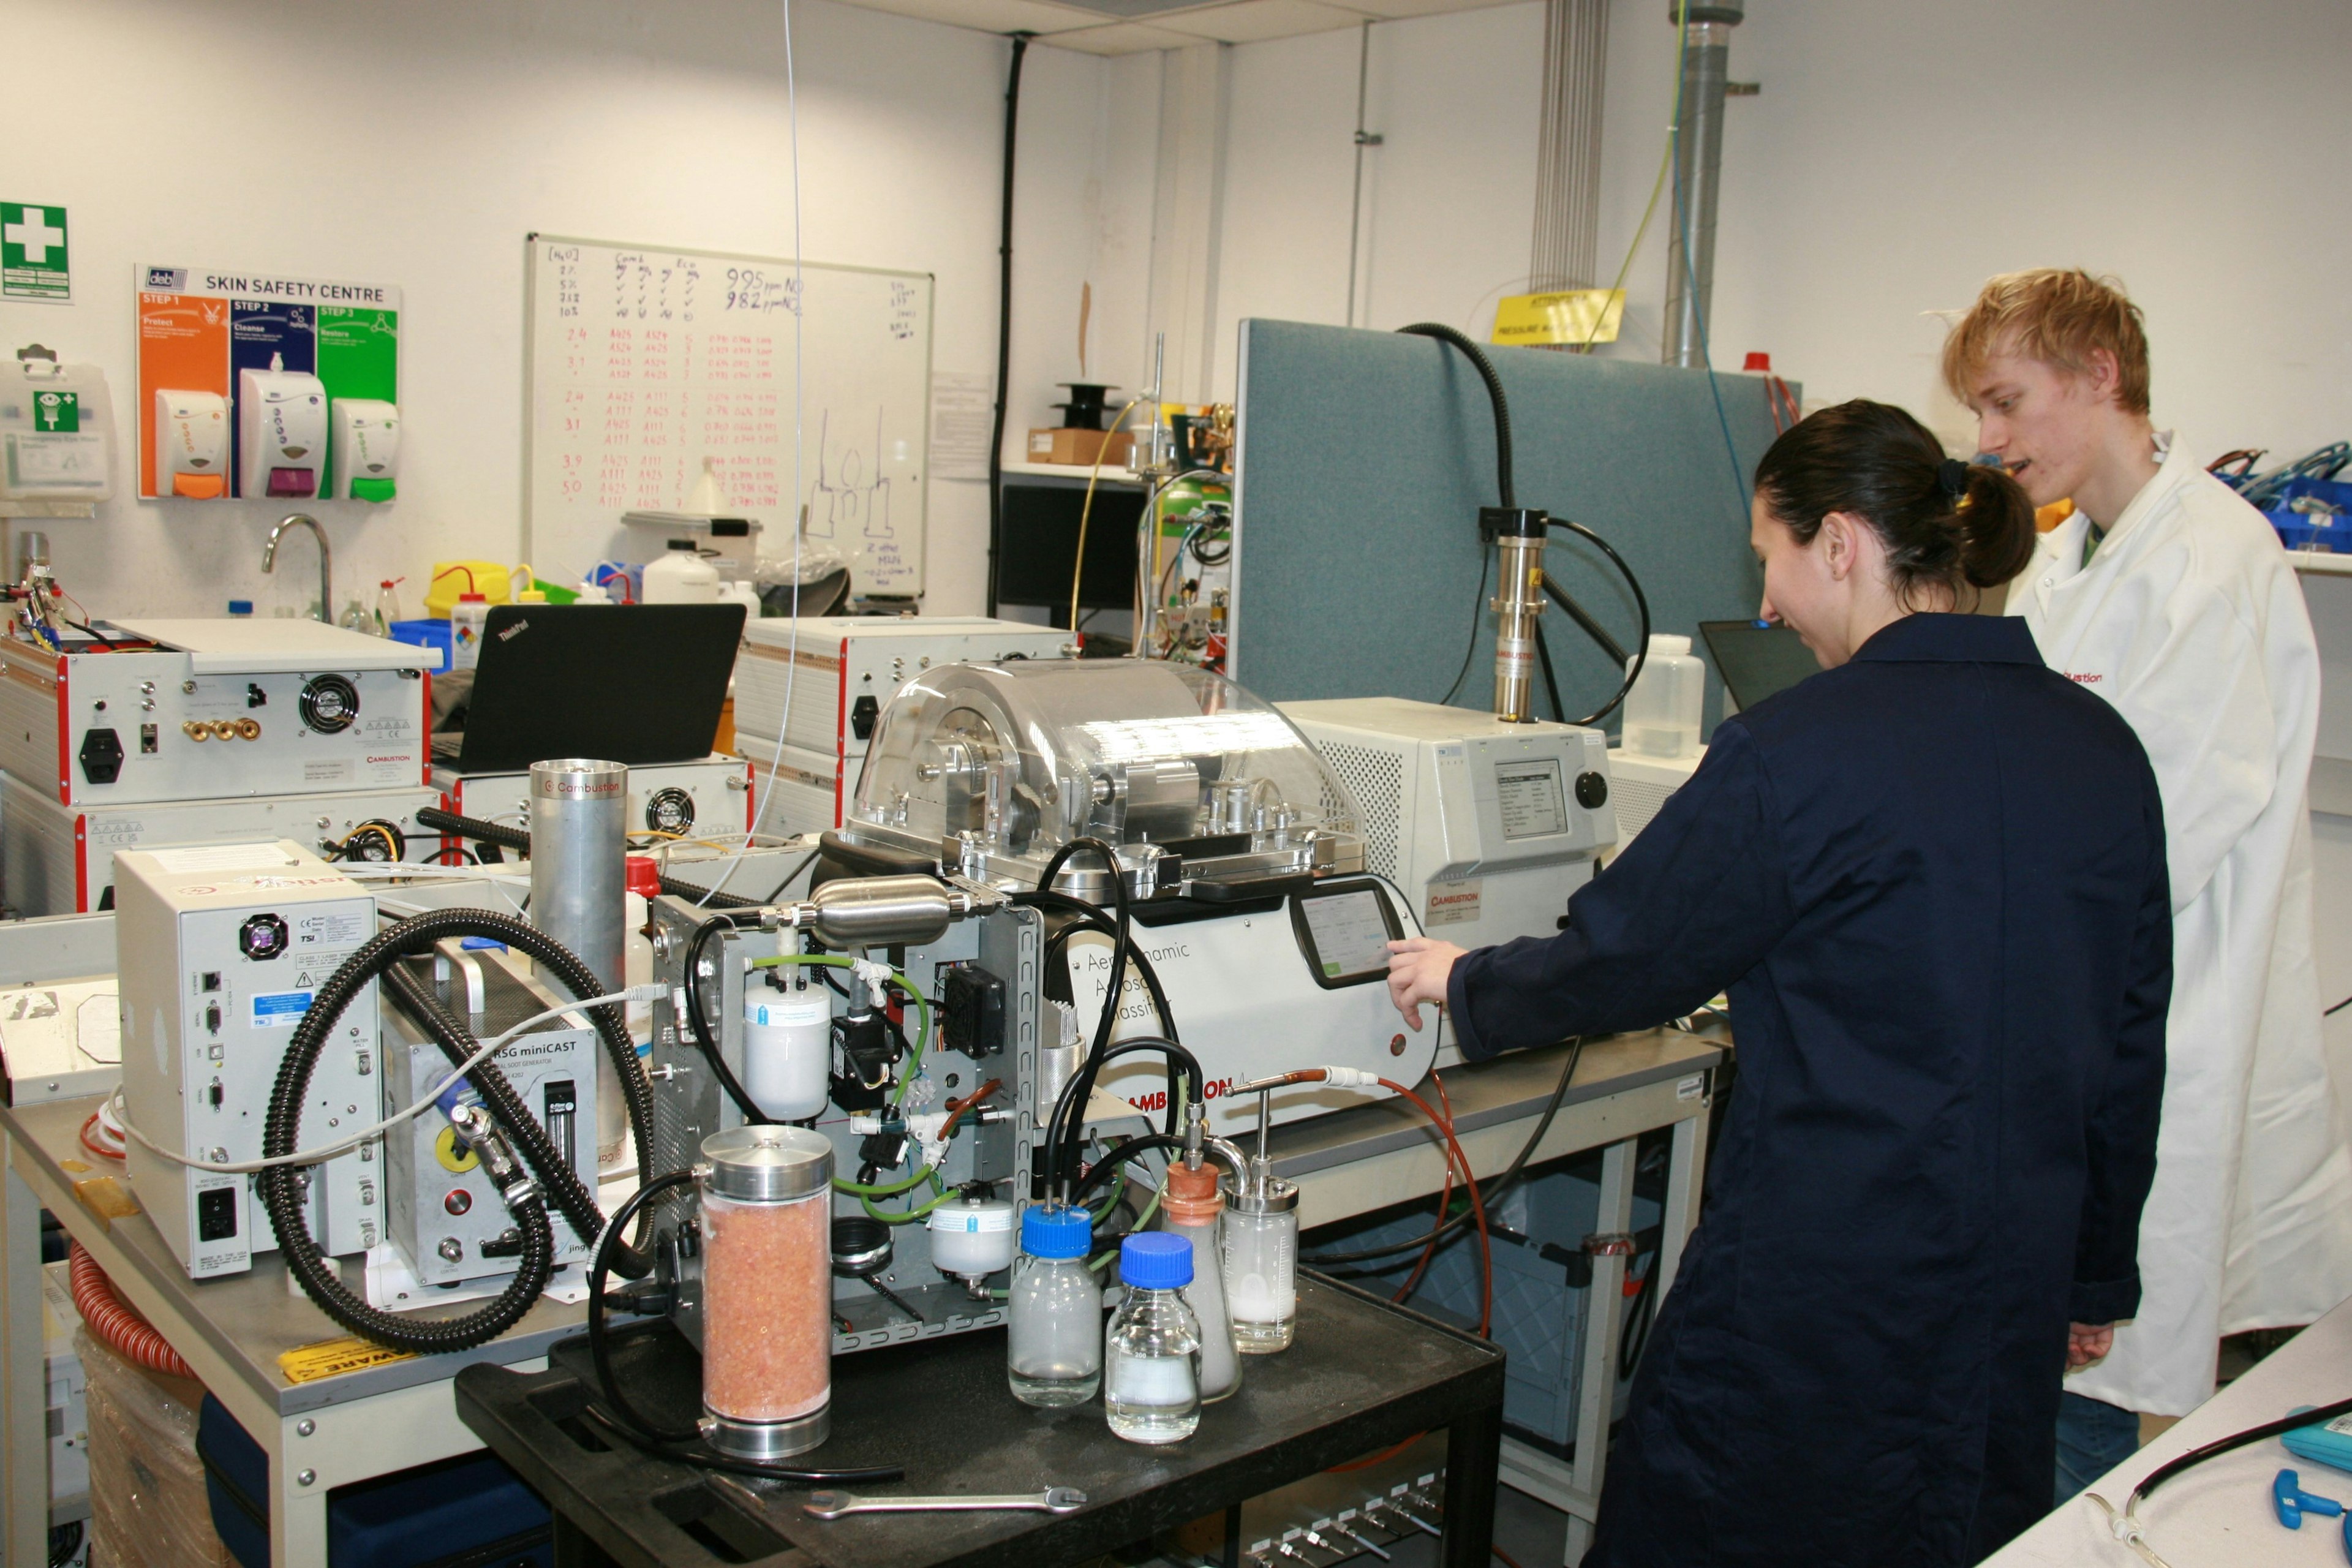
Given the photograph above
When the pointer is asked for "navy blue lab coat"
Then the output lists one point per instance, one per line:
(1933, 880)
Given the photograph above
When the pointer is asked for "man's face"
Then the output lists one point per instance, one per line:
(2043, 421)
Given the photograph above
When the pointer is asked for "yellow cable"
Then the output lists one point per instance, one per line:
(1078, 567)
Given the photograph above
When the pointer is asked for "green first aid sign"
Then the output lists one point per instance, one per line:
(56, 413)
(32, 252)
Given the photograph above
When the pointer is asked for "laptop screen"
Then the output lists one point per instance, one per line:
(639, 684)
(1755, 658)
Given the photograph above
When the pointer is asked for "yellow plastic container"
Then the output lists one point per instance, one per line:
(491, 579)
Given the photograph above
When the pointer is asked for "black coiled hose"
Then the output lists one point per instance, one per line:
(1486, 369)
(280, 1186)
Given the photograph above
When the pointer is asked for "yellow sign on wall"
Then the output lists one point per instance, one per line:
(1577, 316)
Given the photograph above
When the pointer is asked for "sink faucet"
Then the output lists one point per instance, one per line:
(326, 560)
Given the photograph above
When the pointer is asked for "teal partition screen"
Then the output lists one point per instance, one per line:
(1364, 458)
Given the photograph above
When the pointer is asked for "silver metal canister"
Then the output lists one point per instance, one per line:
(579, 887)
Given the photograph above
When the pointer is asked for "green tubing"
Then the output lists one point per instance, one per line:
(941, 1194)
(885, 1189)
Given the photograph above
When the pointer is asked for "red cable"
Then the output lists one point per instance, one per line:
(1444, 1202)
(116, 1325)
(99, 1149)
(1477, 1208)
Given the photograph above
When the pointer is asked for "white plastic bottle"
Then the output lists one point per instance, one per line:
(682, 576)
(787, 1046)
(466, 618)
(1662, 711)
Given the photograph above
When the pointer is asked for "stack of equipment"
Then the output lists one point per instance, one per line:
(155, 734)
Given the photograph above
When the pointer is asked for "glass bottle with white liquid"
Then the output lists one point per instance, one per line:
(1054, 1345)
(1261, 1262)
(1151, 1351)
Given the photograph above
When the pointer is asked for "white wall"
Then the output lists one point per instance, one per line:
(417, 143)
(1896, 156)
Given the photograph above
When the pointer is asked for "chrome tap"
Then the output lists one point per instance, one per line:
(326, 560)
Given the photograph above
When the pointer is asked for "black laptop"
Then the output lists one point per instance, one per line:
(623, 683)
(1755, 658)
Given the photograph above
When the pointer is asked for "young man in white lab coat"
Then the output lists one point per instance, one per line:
(2170, 598)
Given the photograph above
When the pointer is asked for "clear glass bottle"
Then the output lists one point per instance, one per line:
(1191, 1206)
(1054, 1346)
(1151, 1351)
(1261, 1262)
(387, 604)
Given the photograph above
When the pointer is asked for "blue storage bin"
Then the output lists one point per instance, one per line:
(2313, 532)
(425, 633)
(469, 1513)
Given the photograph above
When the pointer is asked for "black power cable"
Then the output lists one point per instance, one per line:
(698, 1022)
(1061, 1143)
(1004, 320)
(1594, 628)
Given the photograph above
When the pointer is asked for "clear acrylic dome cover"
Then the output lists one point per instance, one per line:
(997, 766)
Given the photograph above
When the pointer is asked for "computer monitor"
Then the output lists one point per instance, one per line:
(1037, 543)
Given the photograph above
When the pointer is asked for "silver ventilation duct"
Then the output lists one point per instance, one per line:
(1698, 170)
(1565, 251)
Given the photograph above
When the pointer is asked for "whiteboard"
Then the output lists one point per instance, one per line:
(644, 360)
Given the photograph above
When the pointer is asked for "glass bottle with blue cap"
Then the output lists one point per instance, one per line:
(1151, 1351)
(1055, 1341)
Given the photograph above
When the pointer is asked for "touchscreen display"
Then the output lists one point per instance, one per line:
(1530, 797)
(1351, 936)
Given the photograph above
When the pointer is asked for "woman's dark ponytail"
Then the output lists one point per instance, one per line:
(1996, 524)
(1946, 524)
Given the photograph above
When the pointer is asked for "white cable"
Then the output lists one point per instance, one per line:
(800, 323)
(651, 992)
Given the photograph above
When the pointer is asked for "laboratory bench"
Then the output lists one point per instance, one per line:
(2218, 1512)
(354, 1426)
(1361, 1376)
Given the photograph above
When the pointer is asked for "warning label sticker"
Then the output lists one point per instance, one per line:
(333, 1358)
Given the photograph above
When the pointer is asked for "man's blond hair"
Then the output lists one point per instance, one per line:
(2060, 316)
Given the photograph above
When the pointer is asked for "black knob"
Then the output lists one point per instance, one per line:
(1591, 791)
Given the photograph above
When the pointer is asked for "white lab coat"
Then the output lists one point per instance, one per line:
(2190, 621)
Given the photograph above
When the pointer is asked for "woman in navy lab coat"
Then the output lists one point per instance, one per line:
(1932, 880)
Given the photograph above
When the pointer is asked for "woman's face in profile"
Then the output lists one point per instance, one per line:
(1799, 591)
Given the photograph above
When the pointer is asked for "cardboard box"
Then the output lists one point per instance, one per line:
(1079, 446)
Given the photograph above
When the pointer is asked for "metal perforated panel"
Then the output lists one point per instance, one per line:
(1637, 801)
(1378, 779)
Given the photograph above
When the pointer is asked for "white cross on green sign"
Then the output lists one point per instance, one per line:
(32, 252)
